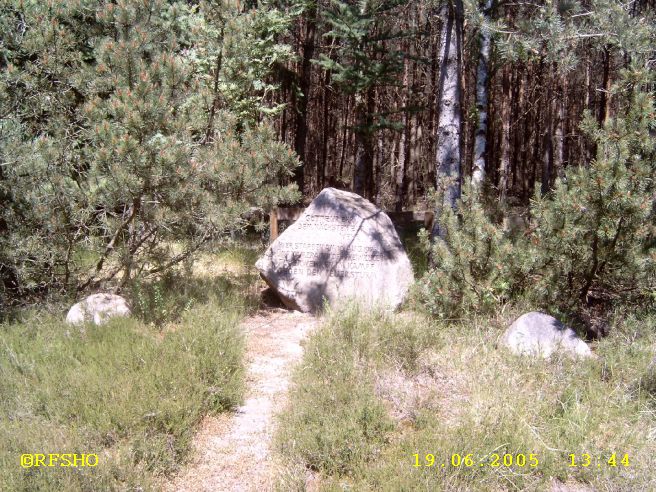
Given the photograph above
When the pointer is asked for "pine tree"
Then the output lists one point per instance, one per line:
(593, 239)
(45, 65)
(110, 154)
(361, 64)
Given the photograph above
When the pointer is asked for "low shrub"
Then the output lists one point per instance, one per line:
(590, 244)
(473, 264)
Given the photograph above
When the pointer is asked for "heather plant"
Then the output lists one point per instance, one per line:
(130, 392)
(457, 404)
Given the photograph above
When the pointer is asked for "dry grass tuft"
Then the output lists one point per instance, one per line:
(433, 386)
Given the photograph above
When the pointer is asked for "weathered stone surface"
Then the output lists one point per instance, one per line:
(539, 334)
(98, 308)
(341, 247)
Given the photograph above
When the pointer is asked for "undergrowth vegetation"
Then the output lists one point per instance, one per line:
(131, 391)
(376, 389)
(589, 242)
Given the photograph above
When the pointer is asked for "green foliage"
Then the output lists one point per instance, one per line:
(170, 297)
(593, 235)
(150, 304)
(472, 265)
(253, 51)
(125, 391)
(566, 33)
(591, 239)
(246, 48)
(113, 142)
(44, 70)
(361, 60)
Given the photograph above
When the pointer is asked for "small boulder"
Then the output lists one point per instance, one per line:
(98, 308)
(539, 334)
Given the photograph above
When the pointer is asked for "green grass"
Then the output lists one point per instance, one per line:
(446, 389)
(131, 391)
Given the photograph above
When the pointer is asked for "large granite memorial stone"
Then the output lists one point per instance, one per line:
(341, 247)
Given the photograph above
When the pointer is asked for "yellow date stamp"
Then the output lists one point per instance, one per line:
(74, 460)
(461, 460)
(517, 460)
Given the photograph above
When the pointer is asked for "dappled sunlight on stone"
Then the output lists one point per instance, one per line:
(341, 247)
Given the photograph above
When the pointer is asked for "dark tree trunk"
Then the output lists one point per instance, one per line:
(321, 179)
(559, 135)
(504, 166)
(362, 170)
(604, 103)
(304, 86)
(404, 148)
(216, 94)
(548, 153)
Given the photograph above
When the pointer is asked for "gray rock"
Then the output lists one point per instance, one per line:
(341, 247)
(539, 334)
(98, 308)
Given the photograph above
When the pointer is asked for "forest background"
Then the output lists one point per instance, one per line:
(142, 141)
(134, 133)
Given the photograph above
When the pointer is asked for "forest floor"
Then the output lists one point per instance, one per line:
(232, 451)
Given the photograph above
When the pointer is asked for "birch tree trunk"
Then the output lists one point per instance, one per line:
(448, 158)
(480, 143)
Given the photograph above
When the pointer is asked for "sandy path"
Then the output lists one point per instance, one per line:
(232, 451)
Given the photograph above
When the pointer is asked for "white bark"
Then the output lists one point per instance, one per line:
(448, 158)
(480, 143)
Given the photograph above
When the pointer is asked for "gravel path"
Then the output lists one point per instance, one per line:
(232, 451)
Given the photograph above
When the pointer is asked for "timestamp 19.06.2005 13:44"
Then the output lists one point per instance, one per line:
(519, 460)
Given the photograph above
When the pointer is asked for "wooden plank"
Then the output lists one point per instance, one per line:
(273, 225)
(291, 213)
(402, 219)
(429, 216)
